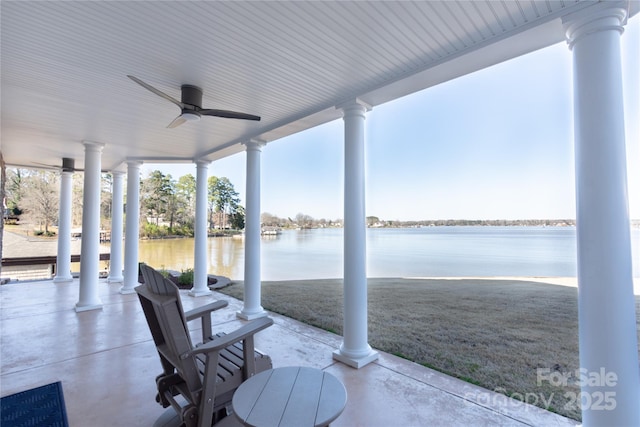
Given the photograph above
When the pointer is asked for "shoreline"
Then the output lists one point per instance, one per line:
(571, 282)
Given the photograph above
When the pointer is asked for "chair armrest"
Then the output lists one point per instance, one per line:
(205, 309)
(225, 341)
(204, 314)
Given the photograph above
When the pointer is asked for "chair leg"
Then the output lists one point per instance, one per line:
(164, 385)
(190, 416)
(207, 415)
(219, 415)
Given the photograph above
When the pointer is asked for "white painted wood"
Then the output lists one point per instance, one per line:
(64, 66)
(90, 246)
(117, 209)
(252, 307)
(201, 234)
(132, 227)
(355, 350)
(608, 336)
(63, 258)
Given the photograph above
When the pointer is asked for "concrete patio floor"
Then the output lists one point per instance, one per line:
(107, 364)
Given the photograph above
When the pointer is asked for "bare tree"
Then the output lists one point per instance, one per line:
(40, 199)
(77, 199)
(269, 220)
(304, 221)
(106, 199)
(14, 188)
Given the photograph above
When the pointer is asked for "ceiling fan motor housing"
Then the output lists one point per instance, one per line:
(192, 95)
(68, 165)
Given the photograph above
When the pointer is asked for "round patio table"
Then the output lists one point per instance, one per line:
(289, 397)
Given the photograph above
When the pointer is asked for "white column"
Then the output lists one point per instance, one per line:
(201, 234)
(132, 228)
(63, 259)
(90, 245)
(355, 350)
(115, 259)
(607, 318)
(252, 283)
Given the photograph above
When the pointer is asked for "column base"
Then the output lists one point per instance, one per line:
(63, 279)
(200, 292)
(87, 307)
(115, 279)
(250, 316)
(356, 362)
(126, 291)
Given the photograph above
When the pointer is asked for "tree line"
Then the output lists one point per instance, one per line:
(167, 205)
(373, 221)
(300, 221)
(305, 221)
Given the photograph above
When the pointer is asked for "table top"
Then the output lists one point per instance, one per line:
(290, 396)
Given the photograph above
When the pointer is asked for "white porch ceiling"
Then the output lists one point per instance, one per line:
(65, 64)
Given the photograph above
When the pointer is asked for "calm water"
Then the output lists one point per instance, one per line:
(416, 252)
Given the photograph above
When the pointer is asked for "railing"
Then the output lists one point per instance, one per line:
(36, 267)
(41, 260)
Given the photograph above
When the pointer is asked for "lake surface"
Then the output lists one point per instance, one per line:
(391, 252)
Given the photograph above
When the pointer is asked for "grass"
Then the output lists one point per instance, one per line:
(492, 333)
(29, 230)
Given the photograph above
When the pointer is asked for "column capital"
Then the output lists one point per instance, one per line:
(255, 144)
(133, 164)
(93, 146)
(604, 16)
(118, 173)
(202, 162)
(354, 105)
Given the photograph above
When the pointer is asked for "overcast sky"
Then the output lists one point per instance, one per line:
(494, 144)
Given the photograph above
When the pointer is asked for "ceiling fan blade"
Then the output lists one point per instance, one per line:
(46, 166)
(177, 122)
(156, 91)
(229, 114)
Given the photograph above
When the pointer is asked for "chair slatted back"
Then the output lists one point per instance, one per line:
(161, 303)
